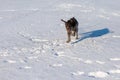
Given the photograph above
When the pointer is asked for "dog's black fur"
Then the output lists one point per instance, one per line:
(71, 27)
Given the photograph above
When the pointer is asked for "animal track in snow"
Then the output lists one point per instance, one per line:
(88, 62)
(100, 62)
(116, 14)
(32, 57)
(57, 65)
(25, 67)
(98, 74)
(91, 62)
(4, 53)
(78, 73)
(73, 58)
(83, 60)
(39, 40)
(117, 71)
(115, 59)
(10, 61)
(59, 53)
(116, 36)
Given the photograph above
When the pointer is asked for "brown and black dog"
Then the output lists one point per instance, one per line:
(71, 27)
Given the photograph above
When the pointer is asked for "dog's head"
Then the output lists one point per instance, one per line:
(67, 24)
(72, 20)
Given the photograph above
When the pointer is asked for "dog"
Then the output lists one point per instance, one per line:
(71, 28)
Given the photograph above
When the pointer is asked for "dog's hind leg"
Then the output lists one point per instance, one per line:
(73, 33)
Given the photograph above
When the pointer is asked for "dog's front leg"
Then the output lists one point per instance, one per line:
(69, 39)
(76, 34)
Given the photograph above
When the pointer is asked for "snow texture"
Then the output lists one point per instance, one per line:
(33, 40)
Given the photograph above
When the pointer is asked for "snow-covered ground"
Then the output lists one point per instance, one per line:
(33, 40)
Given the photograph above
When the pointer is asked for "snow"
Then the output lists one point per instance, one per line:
(115, 71)
(33, 40)
(78, 73)
(98, 74)
(115, 59)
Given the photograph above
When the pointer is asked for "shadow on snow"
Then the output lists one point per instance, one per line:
(92, 34)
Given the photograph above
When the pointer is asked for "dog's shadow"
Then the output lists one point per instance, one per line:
(92, 34)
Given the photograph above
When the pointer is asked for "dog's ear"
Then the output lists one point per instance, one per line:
(73, 17)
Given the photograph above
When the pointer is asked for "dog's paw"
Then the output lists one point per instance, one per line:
(73, 34)
(68, 41)
(77, 38)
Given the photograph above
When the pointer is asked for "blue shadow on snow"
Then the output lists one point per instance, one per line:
(92, 34)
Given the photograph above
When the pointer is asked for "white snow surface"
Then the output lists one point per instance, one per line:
(33, 40)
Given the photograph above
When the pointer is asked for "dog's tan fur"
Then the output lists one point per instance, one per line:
(71, 27)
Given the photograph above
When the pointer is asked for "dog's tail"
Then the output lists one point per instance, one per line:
(63, 20)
